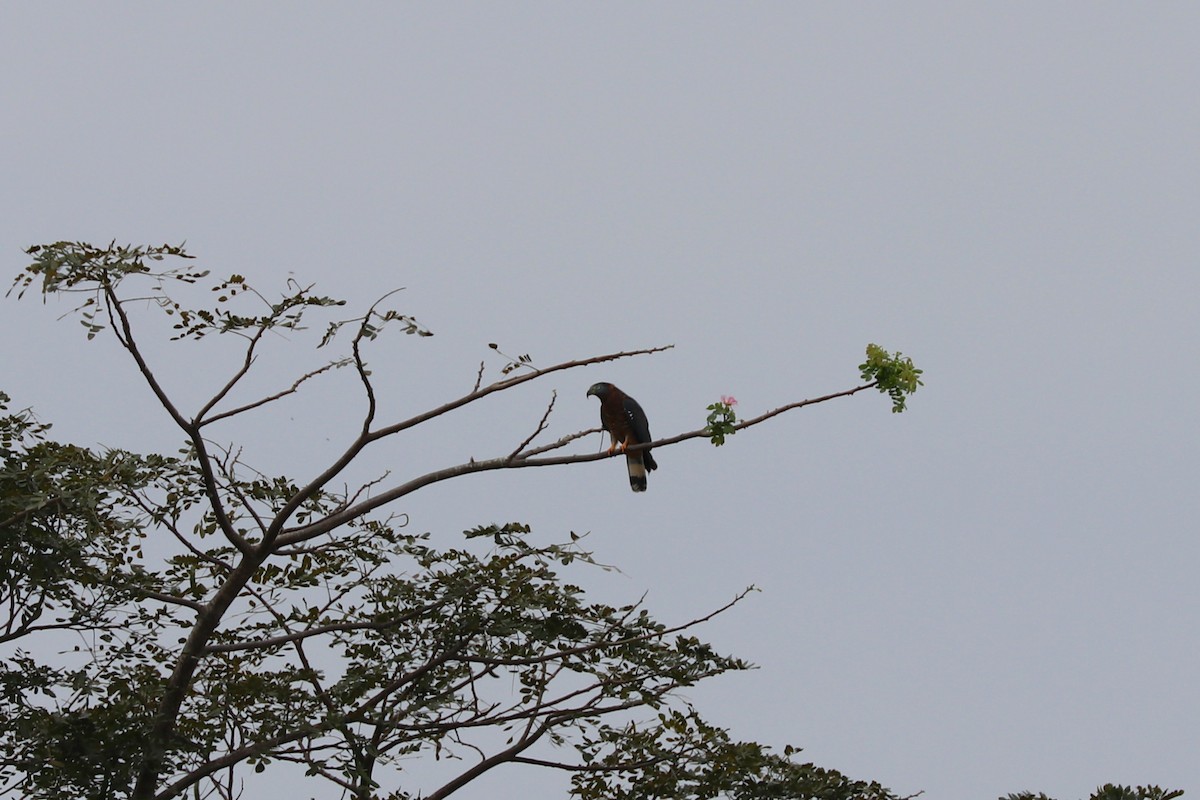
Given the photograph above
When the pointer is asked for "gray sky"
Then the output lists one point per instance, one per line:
(995, 591)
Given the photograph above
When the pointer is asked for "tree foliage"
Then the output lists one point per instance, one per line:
(210, 619)
(1111, 791)
(171, 622)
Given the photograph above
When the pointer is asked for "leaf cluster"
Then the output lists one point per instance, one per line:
(287, 313)
(373, 323)
(513, 363)
(722, 421)
(66, 266)
(893, 374)
(79, 267)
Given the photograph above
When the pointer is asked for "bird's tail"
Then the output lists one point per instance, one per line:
(637, 472)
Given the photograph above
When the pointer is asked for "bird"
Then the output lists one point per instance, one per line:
(626, 423)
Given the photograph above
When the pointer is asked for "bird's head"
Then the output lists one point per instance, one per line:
(599, 390)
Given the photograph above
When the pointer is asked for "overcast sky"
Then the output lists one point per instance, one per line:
(994, 591)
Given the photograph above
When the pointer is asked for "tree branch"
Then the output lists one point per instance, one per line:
(540, 427)
(509, 383)
(336, 520)
(247, 362)
(506, 755)
(172, 599)
(233, 757)
(365, 439)
(201, 421)
(308, 633)
(125, 337)
(593, 646)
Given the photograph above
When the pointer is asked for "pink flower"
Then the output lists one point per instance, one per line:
(729, 400)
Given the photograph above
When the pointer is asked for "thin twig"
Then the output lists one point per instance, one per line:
(540, 427)
(201, 421)
(247, 362)
(561, 442)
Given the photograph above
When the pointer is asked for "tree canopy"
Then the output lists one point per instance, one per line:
(171, 622)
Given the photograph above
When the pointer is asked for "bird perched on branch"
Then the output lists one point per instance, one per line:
(626, 423)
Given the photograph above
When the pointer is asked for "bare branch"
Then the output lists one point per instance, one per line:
(360, 365)
(366, 487)
(563, 441)
(201, 421)
(124, 332)
(365, 439)
(540, 427)
(337, 519)
(509, 383)
(125, 336)
(247, 362)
